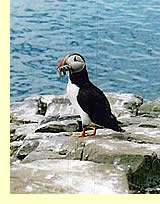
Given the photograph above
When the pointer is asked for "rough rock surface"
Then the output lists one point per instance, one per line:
(45, 158)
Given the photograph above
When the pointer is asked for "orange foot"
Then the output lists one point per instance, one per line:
(84, 134)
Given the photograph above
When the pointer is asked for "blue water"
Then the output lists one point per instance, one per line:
(120, 41)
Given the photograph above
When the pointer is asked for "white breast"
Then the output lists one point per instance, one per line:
(72, 92)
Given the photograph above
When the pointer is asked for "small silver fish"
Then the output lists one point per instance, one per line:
(62, 70)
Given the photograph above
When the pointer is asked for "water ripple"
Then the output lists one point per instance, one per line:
(119, 40)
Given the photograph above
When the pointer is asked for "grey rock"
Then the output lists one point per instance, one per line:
(13, 127)
(22, 131)
(141, 121)
(48, 119)
(146, 177)
(26, 148)
(67, 176)
(60, 106)
(52, 146)
(124, 104)
(150, 109)
(41, 130)
(42, 106)
(14, 160)
(14, 146)
(25, 112)
(102, 148)
(34, 108)
(121, 104)
(59, 126)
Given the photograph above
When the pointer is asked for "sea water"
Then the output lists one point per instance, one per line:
(120, 41)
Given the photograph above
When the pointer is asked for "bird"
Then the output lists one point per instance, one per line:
(88, 100)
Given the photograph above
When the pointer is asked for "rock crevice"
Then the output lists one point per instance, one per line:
(42, 146)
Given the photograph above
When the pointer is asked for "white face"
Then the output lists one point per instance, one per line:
(76, 62)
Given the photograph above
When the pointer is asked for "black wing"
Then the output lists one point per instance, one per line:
(93, 101)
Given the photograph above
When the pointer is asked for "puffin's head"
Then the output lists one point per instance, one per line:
(73, 63)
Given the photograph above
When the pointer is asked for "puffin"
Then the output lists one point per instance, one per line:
(88, 100)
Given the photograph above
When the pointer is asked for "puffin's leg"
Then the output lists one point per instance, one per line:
(92, 133)
(82, 133)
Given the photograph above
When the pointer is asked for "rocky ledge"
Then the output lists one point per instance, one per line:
(45, 158)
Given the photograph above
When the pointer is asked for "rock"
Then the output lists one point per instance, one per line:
(13, 127)
(144, 134)
(121, 104)
(18, 133)
(51, 146)
(41, 144)
(60, 106)
(67, 176)
(26, 148)
(48, 119)
(150, 109)
(146, 177)
(141, 121)
(42, 107)
(124, 104)
(25, 112)
(59, 126)
(105, 149)
(149, 125)
(14, 147)
(22, 131)
(33, 109)
(102, 148)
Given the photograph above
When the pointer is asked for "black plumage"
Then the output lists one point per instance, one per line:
(88, 100)
(93, 101)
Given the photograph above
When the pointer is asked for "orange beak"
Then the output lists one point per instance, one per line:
(61, 63)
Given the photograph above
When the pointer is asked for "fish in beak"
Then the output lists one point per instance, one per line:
(63, 67)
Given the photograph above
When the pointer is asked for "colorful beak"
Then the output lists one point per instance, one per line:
(62, 67)
(61, 63)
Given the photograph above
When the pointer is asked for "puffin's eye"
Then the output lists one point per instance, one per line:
(75, 59)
